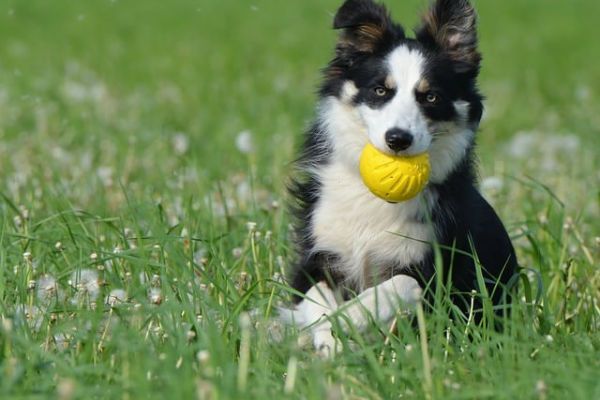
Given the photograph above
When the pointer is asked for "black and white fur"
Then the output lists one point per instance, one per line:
(359, 255)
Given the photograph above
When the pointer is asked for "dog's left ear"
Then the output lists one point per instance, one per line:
(450, 25)
(365, 24)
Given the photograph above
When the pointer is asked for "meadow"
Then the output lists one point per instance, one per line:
(144, 151)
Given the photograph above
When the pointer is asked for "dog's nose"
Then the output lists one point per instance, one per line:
(398, 139)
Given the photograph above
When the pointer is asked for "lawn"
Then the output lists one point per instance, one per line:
(144, 151)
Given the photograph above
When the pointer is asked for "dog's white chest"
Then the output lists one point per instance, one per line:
(365, 231)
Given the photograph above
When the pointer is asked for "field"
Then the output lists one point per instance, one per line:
(144, 151)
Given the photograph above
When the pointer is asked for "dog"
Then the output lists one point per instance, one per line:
(360, 257)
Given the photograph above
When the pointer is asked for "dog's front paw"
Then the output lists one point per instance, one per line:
(325, 344)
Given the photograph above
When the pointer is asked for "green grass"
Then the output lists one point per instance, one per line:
(119, 170)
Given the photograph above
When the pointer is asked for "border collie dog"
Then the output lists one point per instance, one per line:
(362, 258)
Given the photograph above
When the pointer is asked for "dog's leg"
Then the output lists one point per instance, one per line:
(312, 312)
(380, 303)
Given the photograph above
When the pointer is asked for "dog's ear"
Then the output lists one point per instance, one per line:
(365, 24)
(451, 25)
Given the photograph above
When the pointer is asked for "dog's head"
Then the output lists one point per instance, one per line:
(405, 95)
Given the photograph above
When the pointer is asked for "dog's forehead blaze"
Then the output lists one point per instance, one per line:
(405, 65)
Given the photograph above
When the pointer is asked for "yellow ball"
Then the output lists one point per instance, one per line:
(393, 178)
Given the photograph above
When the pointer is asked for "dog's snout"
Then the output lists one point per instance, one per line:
(398, 139)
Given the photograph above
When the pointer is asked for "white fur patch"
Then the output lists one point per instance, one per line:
(349, 90)
(379, 303)
(346, 133)
(447, 150)
(369, 234)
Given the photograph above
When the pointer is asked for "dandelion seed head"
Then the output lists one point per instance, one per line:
(116, 297)
(62, 340)
(541, 387)
(582, 93)
(105, 174)
(180, 143)
(47, 288)
(237, 252)
(24, 211)
(200, 256)
(244, 142)
(203, 356)
(492, 185)
(251, 226)
(30, 315)
(86, 283)
(243, 191)
(155, 296)
(190, 335)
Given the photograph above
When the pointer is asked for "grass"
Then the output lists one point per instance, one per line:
(136, 234)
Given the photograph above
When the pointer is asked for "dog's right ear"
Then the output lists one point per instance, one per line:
(365, 24)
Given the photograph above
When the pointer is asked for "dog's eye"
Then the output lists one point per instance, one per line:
(380, 91)
(431, 98)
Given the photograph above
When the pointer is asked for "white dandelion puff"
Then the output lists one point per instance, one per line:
(237, 252)
(29, 315)
(190, 335)
(200, 256)
(155, 296)
(180, 143)
(106, 175)
(116, 297)
(492, 185)
(522, 144)
(86, 282)
(47, 289)
(244, 142)
(203, 356)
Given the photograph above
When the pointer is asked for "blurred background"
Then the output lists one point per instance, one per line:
(85, 83)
